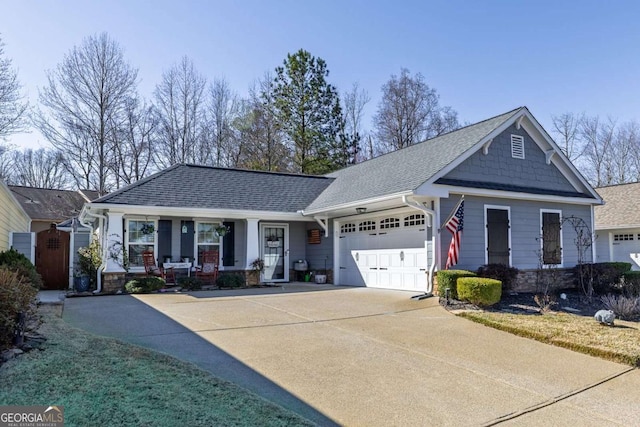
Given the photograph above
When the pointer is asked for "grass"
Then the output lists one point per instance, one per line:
(583, 334)
(102, 381)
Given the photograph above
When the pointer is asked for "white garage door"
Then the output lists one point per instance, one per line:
(626, 248)
(386, 252)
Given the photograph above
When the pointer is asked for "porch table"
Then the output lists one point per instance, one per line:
(178, 265)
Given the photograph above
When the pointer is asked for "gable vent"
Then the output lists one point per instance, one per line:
(517, 147)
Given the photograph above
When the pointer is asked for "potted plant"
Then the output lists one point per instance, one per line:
(221, 230)
(273, 242)
(86, 271)
(257, 266)
(147, 229)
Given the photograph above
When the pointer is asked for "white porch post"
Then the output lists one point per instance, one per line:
(115, 235)
(253, 241)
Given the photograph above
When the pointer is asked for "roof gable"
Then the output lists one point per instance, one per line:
(192, 186)
(404, 170)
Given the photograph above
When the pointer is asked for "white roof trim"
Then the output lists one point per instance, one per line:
(516, 195)
(357, 203)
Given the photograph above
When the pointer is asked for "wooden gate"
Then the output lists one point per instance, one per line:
(52, 258)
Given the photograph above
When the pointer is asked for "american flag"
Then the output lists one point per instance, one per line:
(455, 226)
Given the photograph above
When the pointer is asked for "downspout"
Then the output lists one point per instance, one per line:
(431, 215)
(102, 220)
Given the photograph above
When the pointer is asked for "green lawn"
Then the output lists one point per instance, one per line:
(102, 381)
(619, 344)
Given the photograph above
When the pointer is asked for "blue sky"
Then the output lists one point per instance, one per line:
(483, 57)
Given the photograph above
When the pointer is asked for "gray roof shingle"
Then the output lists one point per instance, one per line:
(193, 186)
(622, 204)
(406, 169)
(47, 204)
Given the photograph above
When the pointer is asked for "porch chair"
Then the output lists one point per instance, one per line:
(152, 269)
(209, 268)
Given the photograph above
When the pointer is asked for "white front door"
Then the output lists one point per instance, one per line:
(274, 250)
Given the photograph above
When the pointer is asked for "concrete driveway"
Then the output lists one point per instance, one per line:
(358, 356)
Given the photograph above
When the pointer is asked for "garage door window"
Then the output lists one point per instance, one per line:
(348, 228)
(622, 237)
(414, 220)
(389, 223)
(367, 226)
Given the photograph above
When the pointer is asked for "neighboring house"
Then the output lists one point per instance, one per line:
(55, 237)
(618, 225)
(381, 219)
(13, 218)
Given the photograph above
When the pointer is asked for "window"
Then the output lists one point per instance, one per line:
(622, 237)
(348, 228)
(141, 237)
(207, 239)
(367, 226)
(551, 238)
(390, 223)
(413, 220)
(517, 147)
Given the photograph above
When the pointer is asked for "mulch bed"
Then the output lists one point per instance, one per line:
(525, 303)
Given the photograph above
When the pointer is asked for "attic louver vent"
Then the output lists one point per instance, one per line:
(517, 147)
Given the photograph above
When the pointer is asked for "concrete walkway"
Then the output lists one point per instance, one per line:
(356, 356)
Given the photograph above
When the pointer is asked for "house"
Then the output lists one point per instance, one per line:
(13, 217)
(54, 237)
(617, 225)
(377, 223)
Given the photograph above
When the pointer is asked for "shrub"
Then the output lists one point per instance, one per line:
(507, 275)
(630, 284)
(230, 281)
(605, 275)
(89, 260)
(16, 296)
(448, 278)
(144, 285)
(190, 283)
(624, 307)
(479, 291)
(15, 261)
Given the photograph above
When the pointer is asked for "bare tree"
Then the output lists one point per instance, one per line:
(84, 99)
(264, 147)
(410, 112)
(567, 127)
(180, 107)
(598, 139)
(223, 110)
(6, 162)
(624, 149)
(134, 142)
(12, 107)
(354, 102)
(42, 168)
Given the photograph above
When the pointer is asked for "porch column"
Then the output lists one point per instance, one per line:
(115, 242)
(253, 241)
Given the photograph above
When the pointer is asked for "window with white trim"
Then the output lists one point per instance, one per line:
(348, 228)
(207, 239)
(389, 223)
(140, 237)
(367, 226)
(517, 146)
(414, 220)
(622, 237)
(551, 237)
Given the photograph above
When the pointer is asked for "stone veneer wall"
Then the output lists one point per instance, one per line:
(113, 282)
(527, 280)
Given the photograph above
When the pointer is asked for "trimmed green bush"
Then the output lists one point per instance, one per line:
(15, 261)
(16, 296)
(507, 275)
(448, 279)
(479, 291)
(230, 281)
(144, 285)
(606, 275)
(190, 283)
